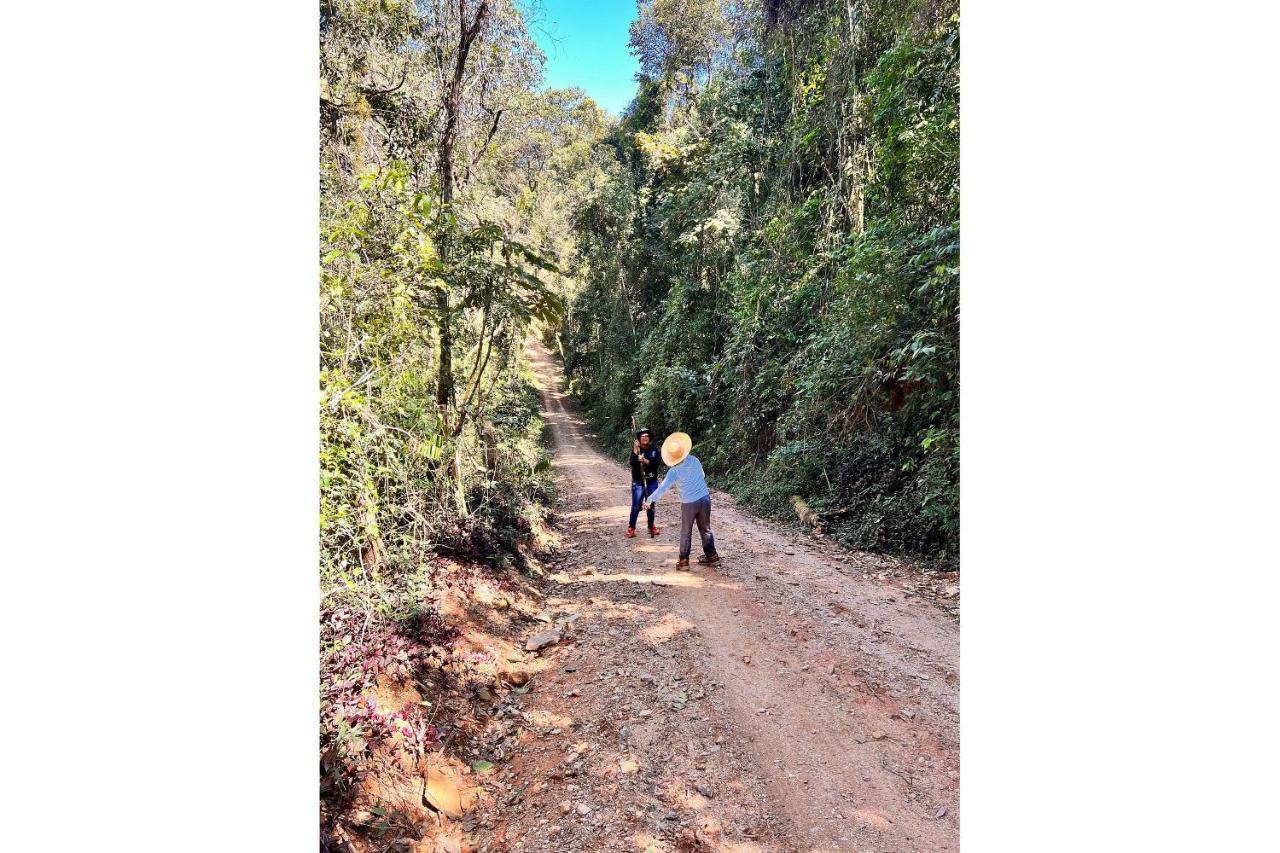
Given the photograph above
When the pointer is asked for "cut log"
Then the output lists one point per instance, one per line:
(807, 516)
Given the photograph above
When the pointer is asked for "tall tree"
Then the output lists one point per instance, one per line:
(783, 246)
(470, 18)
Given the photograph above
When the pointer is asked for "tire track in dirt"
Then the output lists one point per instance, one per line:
(784, 700)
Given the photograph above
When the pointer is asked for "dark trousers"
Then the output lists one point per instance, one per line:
(638, 494)
(696, 512)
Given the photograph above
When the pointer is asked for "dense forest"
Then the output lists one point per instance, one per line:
(447, 182)
(762, 251)
(771, 261)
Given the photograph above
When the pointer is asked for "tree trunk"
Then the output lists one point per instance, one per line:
(444, 379)
(467, 32)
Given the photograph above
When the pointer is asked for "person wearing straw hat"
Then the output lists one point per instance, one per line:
(685, 474)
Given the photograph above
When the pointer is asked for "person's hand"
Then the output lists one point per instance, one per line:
(635, 448)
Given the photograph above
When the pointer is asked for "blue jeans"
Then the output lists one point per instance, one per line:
(638, 494)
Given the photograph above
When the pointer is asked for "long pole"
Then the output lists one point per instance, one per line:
(644, 477)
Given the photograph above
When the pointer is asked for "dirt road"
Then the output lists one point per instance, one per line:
(784, 700)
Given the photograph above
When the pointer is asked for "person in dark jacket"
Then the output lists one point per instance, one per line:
(644, 479)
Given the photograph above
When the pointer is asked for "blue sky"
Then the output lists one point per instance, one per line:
(586, 46)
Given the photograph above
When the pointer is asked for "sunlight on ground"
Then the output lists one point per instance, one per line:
(585, 458)
(645, 841)
(666, 628)
(871, 818)
(605, 610)
(485, 594)
(612, 514)
(549, 720)
(684, 579)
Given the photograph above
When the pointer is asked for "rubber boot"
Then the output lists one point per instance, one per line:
(631, 533)
(653, 531)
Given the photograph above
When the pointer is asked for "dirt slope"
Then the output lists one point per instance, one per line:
(785, 700)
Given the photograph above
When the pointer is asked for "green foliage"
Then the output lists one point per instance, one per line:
(772, 264)
(441, 250)
(386, 252)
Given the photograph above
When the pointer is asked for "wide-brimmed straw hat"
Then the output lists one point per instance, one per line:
(676, 448)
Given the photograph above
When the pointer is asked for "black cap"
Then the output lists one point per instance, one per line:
(643, 431)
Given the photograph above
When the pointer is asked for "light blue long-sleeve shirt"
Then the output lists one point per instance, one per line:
(688, 477)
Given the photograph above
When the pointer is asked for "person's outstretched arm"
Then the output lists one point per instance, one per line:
(667, 483)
